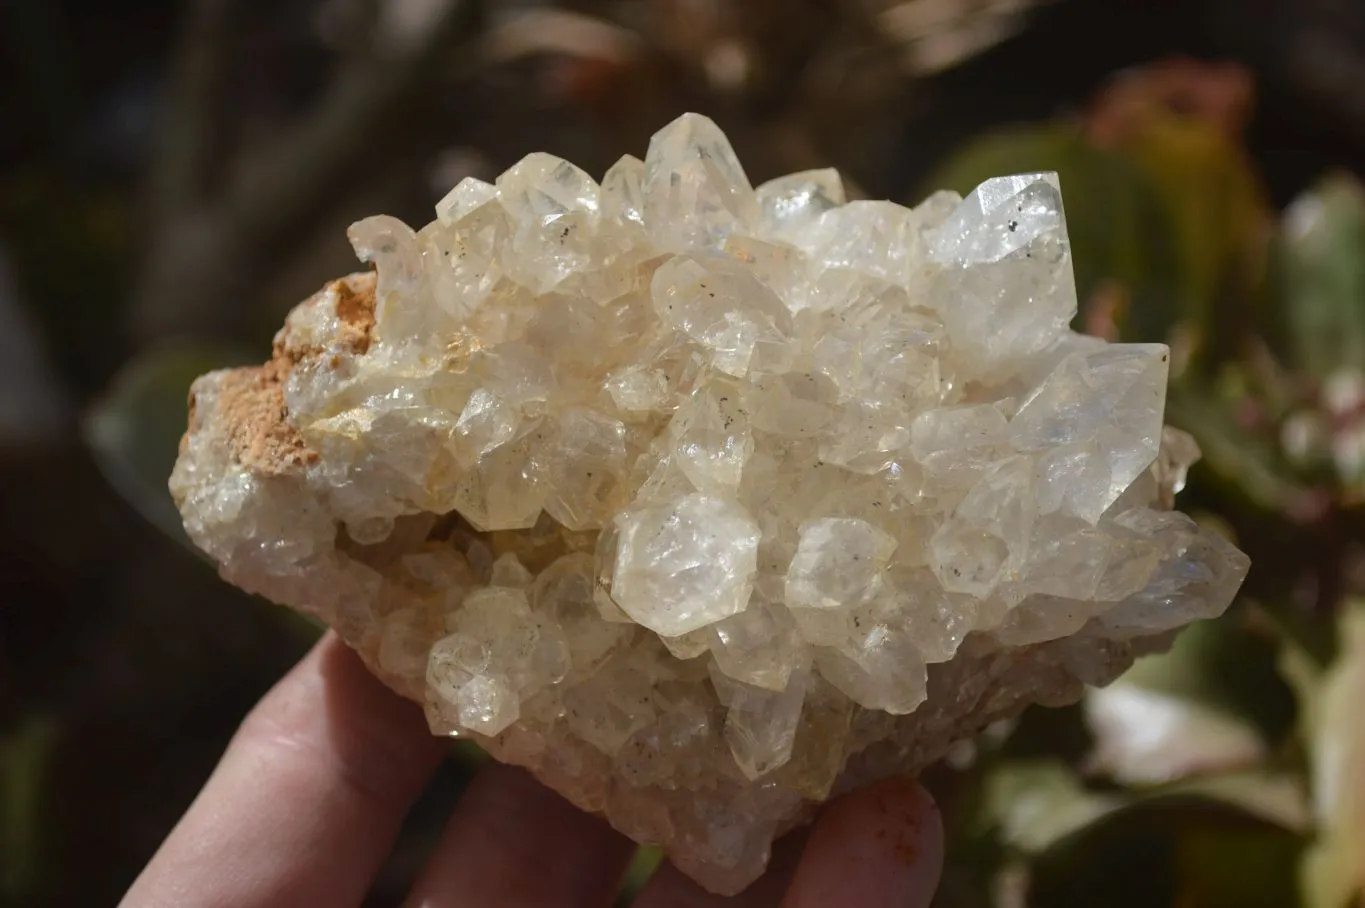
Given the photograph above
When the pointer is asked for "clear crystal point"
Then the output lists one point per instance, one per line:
(696, 193)
(683, 567)
(791, 203)
(1103, 412)
(623, 191)
(1001, 217)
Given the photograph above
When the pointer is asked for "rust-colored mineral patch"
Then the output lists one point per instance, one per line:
(252, 406)
(354, 297)
(355, 307)
(260, 434)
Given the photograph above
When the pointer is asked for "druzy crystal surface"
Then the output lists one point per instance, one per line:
(706, 502)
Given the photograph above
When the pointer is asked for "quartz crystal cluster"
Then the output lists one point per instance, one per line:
(704, 502)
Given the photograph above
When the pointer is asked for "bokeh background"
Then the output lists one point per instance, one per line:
(174, 175)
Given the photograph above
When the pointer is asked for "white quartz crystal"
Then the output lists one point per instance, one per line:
(684, 566)
(704, 502)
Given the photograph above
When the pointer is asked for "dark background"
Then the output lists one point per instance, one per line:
(130, 225)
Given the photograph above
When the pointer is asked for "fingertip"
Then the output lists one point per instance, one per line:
(880, 847)
(332, 709)
(514, 843)
(306, 802)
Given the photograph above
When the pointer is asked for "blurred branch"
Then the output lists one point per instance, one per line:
(193, 118)
(1237, 458)
(938, 34)
(283, 183)
(1328, 66)
(554, 31)
(206, 248)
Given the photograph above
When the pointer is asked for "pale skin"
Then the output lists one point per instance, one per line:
(307, 801)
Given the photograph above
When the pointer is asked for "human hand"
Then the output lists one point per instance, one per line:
(307, 801)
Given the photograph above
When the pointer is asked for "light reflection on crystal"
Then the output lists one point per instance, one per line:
(701, 501)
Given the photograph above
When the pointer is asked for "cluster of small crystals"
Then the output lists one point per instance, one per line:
(679, 491)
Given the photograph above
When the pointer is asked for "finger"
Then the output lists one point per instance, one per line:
(669, 888)
(306, 802)
(512, 843)
(881, 847)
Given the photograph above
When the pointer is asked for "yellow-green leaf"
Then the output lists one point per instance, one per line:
(1221, 216)
(1334, 870)
(25, 757)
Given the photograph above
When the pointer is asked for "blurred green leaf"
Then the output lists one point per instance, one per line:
(1319, 263)
(1333, 871)
(1037, 803)
(1278, 798)
(642, 866)
(1244, 466)
(1172, 849)
(1223, 666)
(1167, 228)
(1171, 845)
(1304, 673)
(25, 758)
(134, 429)
(1219, 211)
(1236, 865)
(469, 756)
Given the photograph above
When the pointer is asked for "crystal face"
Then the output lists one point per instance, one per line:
(702, 501)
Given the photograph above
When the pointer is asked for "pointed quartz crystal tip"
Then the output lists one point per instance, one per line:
(542, 186)
(787, 204)
(1001, 217)
(623, 191)
(1006, 260)
(705, 502)
(696, 193)
(467, 195)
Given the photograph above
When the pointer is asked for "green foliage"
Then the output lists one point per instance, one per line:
(1170, 850)
(1218, 216)
(1334, 872)
(1319, 266)
(1246, 465)
(642, 867)
(1105, 829)
(25, 755)
(1188, 781)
